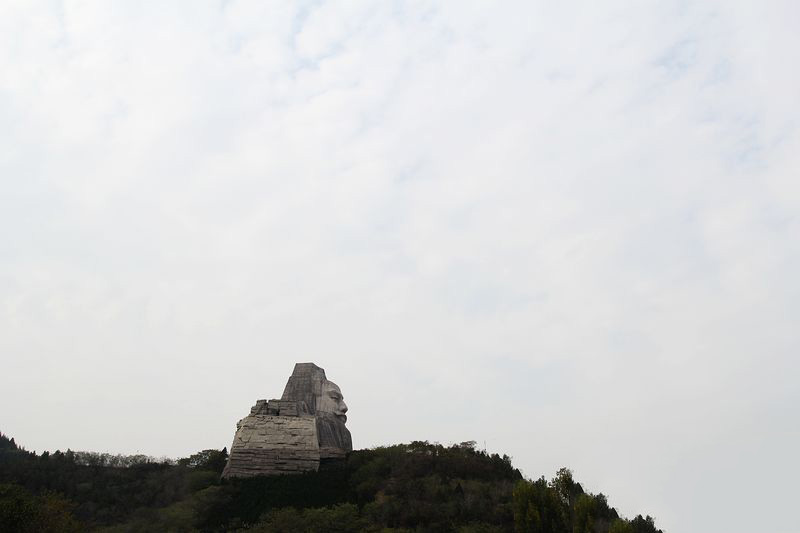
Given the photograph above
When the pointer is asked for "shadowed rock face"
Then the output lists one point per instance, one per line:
(305, 385)
(295, 433)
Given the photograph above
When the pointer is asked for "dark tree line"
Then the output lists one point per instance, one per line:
(408, 487)
(561, 506)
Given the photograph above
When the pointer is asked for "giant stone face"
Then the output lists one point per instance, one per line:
(331, 400)
(325, 401)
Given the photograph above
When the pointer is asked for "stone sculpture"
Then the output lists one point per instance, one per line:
(297, 433)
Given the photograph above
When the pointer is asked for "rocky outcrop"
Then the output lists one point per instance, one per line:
(293, 434)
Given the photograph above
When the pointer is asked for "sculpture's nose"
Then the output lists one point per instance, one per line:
(343, 406)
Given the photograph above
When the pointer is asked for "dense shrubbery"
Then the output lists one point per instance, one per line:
(409, 487)
(22, 511)
(561, 506)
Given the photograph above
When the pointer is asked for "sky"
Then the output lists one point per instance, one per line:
(569, 231)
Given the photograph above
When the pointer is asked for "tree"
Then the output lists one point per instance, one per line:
(538, 508)
(343, 518)
(207, 460)
(621, 526)
(565, 486)
(22, 512)
(644, 525)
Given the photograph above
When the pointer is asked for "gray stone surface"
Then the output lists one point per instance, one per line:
(295, 433)
(305, 385)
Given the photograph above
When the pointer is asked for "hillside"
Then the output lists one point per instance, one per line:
(406, 487)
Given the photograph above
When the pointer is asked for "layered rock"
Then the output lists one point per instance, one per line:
(293, 434)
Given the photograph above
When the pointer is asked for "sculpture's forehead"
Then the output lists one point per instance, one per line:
(330, 386)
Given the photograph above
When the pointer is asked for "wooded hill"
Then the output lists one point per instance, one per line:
(420, 487)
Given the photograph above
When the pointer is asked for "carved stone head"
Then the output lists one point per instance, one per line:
(325, 401)
(331, 401)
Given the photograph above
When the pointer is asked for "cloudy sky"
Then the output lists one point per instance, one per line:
(569, 231)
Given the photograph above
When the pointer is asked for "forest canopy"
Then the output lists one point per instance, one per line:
(420, 487)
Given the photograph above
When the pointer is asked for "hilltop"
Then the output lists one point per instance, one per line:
(419, 486)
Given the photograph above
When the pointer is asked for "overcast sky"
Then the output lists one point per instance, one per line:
(569, 231)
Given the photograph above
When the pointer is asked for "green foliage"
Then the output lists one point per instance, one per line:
(420, 487)
(7, 444)
(22, 512)
(538, 508)
(591, 513)
(104, 489)
(207, 460)
(621, 526)
(342, 518)
(563, 506)
(566, 488)
(644, 525)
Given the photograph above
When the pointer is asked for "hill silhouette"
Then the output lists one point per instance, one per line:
(421, 487)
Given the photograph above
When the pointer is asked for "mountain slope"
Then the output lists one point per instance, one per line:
(406, 487)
